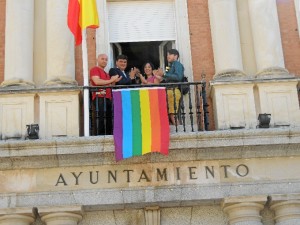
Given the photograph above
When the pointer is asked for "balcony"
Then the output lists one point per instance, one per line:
(61, 111)
(67, 111)
(190, 115)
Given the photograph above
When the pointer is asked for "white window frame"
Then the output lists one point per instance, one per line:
(297, 8)
(182, 42)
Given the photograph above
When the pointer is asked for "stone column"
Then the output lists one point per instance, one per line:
(152, 215)
(287, 212)
(225, 38)
(266, 37)
(61, 218)
(19, 43)
(60, 52)
(246, 213)
(16, 220)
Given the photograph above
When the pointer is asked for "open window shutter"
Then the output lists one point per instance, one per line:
(139, 21)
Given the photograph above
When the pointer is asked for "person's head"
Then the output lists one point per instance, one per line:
(102, 60)
(121, 62)
(148, 68)
(172, 55)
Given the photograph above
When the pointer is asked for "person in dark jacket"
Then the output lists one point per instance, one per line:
(121, 64)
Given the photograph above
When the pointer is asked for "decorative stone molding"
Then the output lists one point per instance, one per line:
(287, 212)
(273, 72)
(280, 99)
(16, 111)
(152, 215)
(61, 81)
(21, 83)
(244, 213)
(59, 114)
(230, 73)
(61, 218)
(16, 220)
(234, 105)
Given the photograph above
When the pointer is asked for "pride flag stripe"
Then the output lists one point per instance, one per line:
(164, 123)
(127, 124)
(155, 121)
(146, 121)
(118, 125)
(141, 122)
(136, 126)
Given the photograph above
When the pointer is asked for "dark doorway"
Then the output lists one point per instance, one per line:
(140, 52)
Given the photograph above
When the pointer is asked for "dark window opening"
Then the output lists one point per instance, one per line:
(139, 53)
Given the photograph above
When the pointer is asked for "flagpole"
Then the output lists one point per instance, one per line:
(85, 83)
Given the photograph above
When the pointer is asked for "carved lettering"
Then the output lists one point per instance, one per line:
(61, 180)
(178, 173)
(128, 174)
(192, 173)
(162, 175)
(225, 170)
(144, 176)
(76, 177)
(242, 170)
(123, 176)
(114, 176)
(91, 177)
(211, 171)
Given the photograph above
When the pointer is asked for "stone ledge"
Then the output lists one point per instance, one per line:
(210, 139)
(170, 196)
(96, 150)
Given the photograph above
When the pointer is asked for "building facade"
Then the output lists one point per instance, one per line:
(236, 173)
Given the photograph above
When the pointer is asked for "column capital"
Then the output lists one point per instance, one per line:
(16, 219)
(244, 212)
(287, 210)
(57, 218)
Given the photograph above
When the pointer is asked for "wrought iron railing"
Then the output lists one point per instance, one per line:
(191, 114)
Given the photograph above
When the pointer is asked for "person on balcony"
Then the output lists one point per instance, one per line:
(150, 74)
(98, 77)
(119, 70)
(174, 73)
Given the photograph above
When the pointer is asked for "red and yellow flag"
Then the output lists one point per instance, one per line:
(82, 14)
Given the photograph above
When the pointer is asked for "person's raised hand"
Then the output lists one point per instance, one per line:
(160, 72)
(133, 72)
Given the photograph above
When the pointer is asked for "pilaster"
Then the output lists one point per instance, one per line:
(266, 38)
(152, 215)
(60, 46)
(225, 38)
(19, 45)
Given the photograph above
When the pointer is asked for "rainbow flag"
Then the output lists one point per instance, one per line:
(141, 122)
(82, 14)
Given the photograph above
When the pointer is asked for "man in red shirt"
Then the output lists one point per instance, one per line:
(99, 77)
